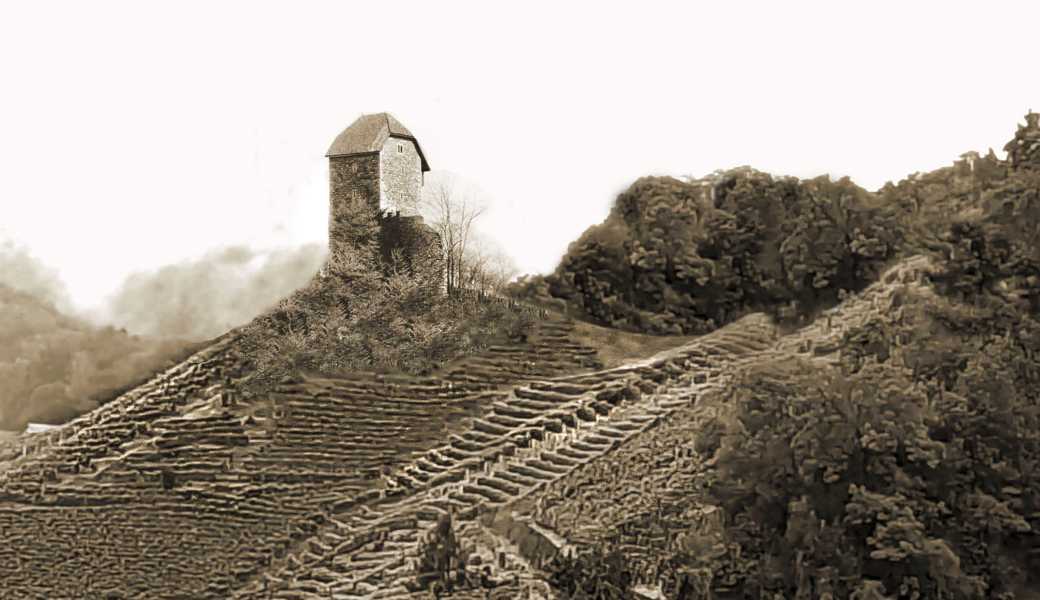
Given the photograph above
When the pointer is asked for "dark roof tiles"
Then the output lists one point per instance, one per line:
(368, 134)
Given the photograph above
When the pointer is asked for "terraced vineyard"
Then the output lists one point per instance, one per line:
(644, 499)
(183, 488)
(524, 441)
(330, 488)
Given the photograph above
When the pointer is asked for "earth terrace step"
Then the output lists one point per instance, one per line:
(467, 500)
(558, 459)
(561, 347)
(515, 478)
(609, 432)
(542, 408)
(547, 397)
(597, 447)
(332, 407)
(356, 396)
(489, 494)
(490, 428)
(547, 467)
(501, 485)
(559, 388)
(530, 472)
(505, 421)
(489, 382)
(453, 454)
(423, 470)
(435, 456)
(478, 437)
(289, 421)
(574, 454)
(465, 445)
(508, 410)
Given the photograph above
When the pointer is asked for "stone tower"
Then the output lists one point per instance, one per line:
(376, 162)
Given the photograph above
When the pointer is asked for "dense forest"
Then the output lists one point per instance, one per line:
(682, 257)
(686, 256)
(907, 468)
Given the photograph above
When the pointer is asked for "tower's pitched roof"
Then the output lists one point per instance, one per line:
(368, 134)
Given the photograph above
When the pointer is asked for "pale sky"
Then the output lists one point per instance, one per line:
(138, 134)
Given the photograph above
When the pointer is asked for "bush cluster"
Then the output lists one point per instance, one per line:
(374, 310)
(684, 257)
(908, 471)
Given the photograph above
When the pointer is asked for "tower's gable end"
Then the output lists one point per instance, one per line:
(401, 175)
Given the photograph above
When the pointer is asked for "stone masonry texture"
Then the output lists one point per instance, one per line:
(353, 183)
(400, 176)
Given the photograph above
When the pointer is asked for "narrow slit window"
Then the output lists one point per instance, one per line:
(400, 148)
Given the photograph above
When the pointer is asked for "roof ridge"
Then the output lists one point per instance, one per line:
(366, 133)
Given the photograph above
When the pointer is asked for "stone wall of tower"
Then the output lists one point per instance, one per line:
(400, 176)
(353, 195)
(408, 244)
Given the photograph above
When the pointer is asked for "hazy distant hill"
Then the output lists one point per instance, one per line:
(54, 367)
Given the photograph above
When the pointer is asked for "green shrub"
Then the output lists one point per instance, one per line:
(686, 257)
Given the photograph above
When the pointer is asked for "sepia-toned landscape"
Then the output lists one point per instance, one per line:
(736, 386)
(409, 300)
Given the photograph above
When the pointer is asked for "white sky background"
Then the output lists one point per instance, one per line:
(138, 134)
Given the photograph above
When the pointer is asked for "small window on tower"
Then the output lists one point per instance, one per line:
(400, 148)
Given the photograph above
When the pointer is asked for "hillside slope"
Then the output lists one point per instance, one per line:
(345, 487)
(54, 366)
(887, 449)
(562, 463)
(189, 477)
(852, 458)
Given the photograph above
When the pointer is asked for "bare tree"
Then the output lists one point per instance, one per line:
(488, 268)
(451, 208)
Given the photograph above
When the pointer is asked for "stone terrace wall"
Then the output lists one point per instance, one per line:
(520, 444)
(513, 304)
(185, 488)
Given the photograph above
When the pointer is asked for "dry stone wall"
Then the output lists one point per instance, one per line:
(572, 461)
(643, 498)
(186, 488)
(523, 442)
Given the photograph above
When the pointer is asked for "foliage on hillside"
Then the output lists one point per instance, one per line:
(598, 574)
(998, 253)
(366, 313)
(910, 467)
(927, 204)
(688, 256)
(907, 469)
(910, 470)
(440, 557)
